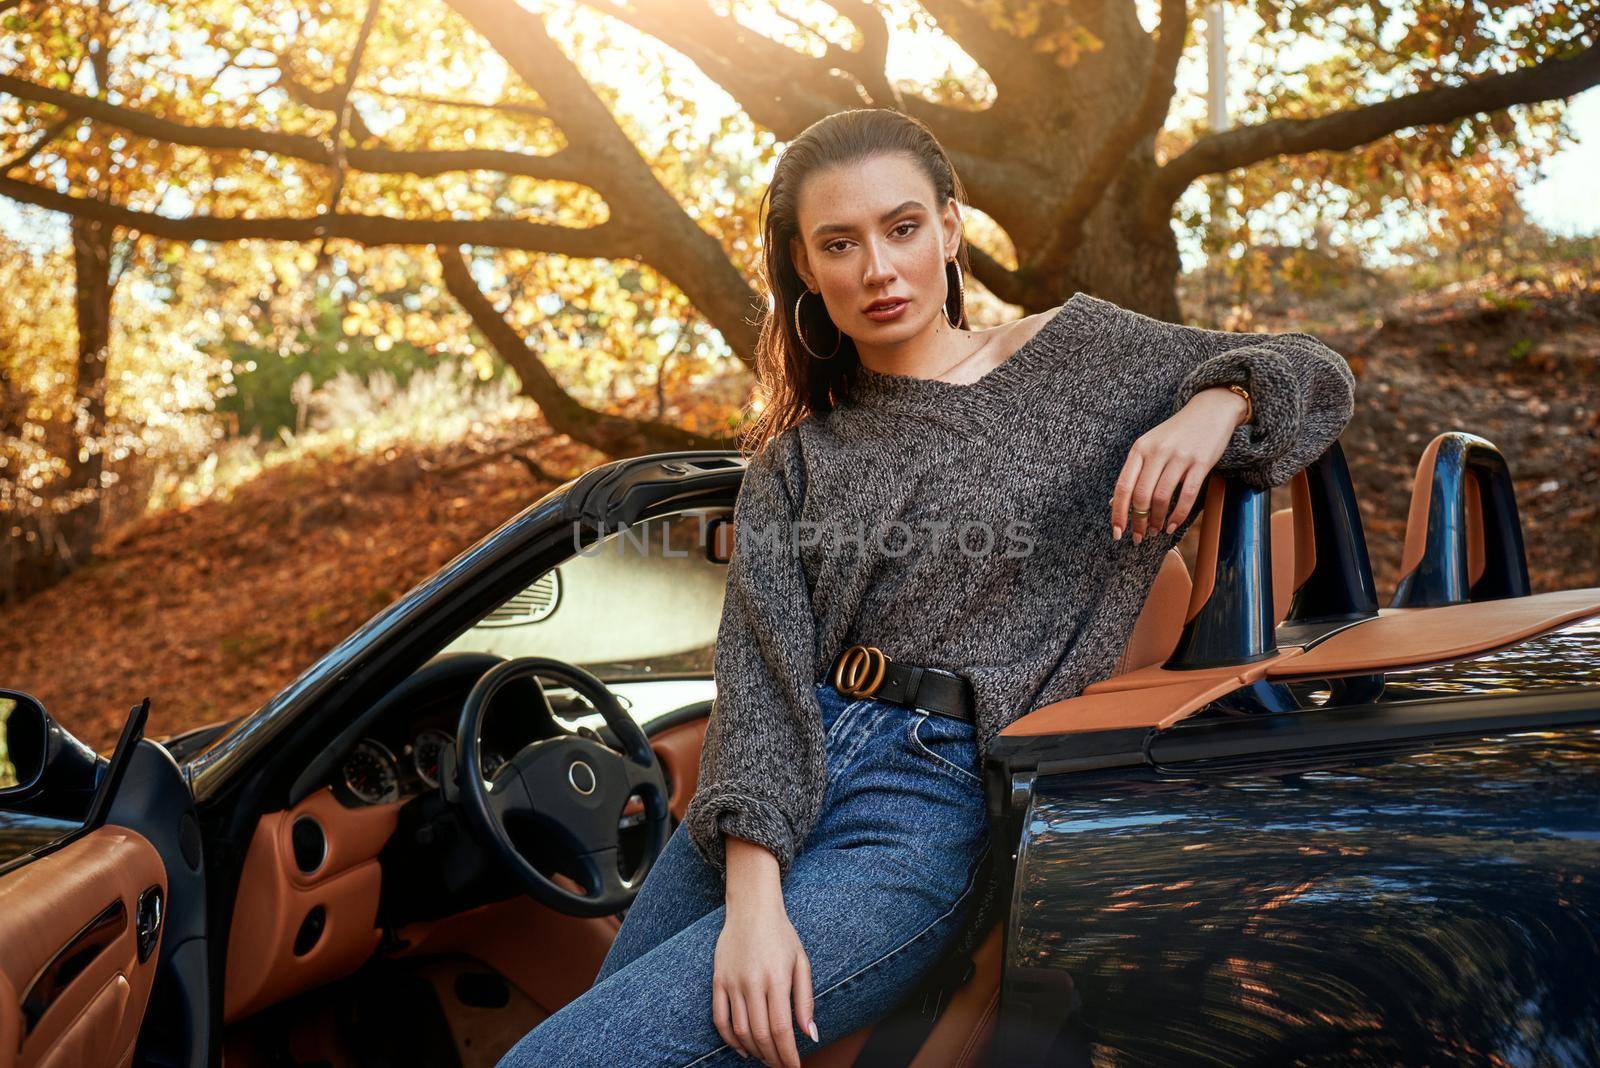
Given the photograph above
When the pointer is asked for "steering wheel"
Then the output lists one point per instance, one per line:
(572, 786)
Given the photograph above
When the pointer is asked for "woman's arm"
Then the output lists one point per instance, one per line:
(1302, 395)
(763, 753)
(1301, 391)
(763, 756)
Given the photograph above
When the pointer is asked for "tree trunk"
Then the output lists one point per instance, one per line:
(49, 539)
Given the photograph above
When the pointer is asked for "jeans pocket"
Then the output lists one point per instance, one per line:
(950, 745)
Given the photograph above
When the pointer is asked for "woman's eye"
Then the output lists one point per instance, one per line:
(829, 247)
(907, 223)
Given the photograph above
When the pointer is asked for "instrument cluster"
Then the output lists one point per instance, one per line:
(380, 770)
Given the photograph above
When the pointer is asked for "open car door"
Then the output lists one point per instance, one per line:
(95, 856)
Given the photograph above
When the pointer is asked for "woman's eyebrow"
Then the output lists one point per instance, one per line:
(845, 228)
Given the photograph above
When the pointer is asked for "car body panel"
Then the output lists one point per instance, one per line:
(1439, 904)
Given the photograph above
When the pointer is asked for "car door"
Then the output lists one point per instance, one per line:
(95, 856)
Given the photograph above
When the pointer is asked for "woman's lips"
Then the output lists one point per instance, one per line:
(887, 313)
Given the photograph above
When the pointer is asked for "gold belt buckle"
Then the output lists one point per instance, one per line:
(855, 665)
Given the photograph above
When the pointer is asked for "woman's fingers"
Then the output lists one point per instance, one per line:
(755, 1006)
(1151, 472)
(782, 1025)
(1124, 492)
(743, 1040)
(804, 1006)
(722, 1016)
(1192, 481)
(1172, 472)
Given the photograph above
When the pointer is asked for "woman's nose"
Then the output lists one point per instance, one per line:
(879, 269)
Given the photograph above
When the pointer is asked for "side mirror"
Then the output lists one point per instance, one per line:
(24, 742)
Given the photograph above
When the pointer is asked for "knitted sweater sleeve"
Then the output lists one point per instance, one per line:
(763, 745)
(1302, 393)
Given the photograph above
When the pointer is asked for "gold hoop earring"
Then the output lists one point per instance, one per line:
(801, 334)
(961, 297)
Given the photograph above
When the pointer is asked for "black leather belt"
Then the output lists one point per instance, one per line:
(863, 671)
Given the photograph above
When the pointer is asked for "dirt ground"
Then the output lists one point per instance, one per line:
(212, 609)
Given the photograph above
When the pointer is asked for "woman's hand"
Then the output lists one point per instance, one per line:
(759, 969)
(1178, 452)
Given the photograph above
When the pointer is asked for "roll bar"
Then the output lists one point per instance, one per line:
(1230, 617)
(1463, 532)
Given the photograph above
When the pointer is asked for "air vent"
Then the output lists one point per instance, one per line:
(531, 605)
(310, 933)
(309, 843)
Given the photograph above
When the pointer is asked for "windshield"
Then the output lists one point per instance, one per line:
(639, 609)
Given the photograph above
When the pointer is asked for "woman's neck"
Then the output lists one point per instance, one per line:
(942, 353)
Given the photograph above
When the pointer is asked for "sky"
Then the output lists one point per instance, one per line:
(1566, 200)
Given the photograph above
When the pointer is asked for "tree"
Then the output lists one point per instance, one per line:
(1064, 158)
(483, 124)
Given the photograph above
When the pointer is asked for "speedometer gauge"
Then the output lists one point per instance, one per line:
(371, 774)
(425, 752)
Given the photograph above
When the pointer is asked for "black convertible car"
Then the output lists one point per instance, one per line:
(1293, 827)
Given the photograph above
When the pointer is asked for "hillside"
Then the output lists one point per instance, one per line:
(211, 609)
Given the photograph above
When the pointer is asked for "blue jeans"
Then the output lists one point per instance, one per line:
(876, 894)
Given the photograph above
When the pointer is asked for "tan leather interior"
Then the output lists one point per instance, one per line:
(275, 897)
(1404, 637)
(678, 750)
(550, 956)
(47, 903)
(1144, 698)
(1166, 608)
(1156, 631)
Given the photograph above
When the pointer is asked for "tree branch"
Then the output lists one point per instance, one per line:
(613, 435)
(1350, 127)
(779, 88)
(660, 232)
(342, 121)
(565, 165)
(50, 133)
(607, 240)
(1001, 55)
(321, 100)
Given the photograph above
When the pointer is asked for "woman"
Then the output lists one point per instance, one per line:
(929, 544)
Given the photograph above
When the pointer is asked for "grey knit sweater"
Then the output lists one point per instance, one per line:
(968, 526)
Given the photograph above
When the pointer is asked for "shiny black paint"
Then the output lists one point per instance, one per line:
(1440, 577)
(1437, 906)
(1340, 587)
(23, 834)
(1235, 625)
(1568, 655)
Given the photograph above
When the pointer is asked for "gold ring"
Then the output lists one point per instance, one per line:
(1138, 511)
(855, 665)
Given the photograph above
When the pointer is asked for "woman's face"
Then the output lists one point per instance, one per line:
(870, 231)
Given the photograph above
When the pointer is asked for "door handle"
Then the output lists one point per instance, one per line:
(147, 922)
(70, 961)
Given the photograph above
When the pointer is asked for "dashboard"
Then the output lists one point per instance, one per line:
(398, 758)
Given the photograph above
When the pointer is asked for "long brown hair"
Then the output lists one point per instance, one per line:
(795, 384)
